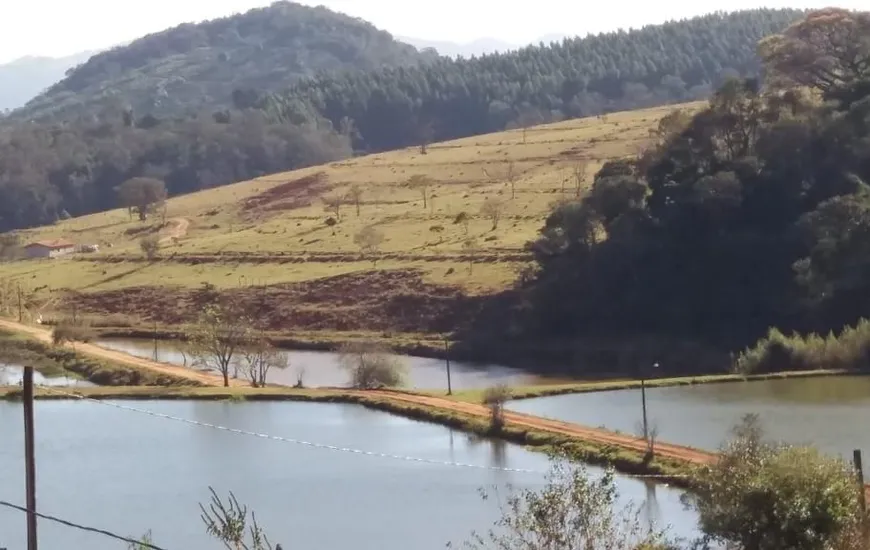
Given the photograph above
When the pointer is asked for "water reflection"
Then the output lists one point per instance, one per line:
(132, 473)
(320, 369)
(14, 376)
(817, 411)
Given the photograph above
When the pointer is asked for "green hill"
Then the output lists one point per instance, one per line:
(199, 65)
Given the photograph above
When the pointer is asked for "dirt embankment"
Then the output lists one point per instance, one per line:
(377, 301)
(119, 357)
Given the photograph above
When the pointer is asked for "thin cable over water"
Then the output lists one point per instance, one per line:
(80, 527)
(321, 445)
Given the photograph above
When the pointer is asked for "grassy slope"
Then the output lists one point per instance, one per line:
(266, 245)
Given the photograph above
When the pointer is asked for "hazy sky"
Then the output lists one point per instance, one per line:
(60, 27)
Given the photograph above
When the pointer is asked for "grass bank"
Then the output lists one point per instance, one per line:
(623, 460)
(52, 361)
(549, 390)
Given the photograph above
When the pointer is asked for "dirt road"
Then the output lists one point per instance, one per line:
(178, 229)
(584, 433)
(120, 357)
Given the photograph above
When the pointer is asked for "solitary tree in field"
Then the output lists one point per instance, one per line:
(495, 398)
(355, 194)
(332, 204)
(464, 219)
(422, 184)
(470, 247)
(142, 196)
(371, 366)
(369, 239)
(579, 172)
(511, 175)
(221, 333)
(493, 208)
(150, 247)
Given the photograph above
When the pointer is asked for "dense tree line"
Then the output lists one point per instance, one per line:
(197, 66)
(52, 171)
(753, 213)
(674, 62)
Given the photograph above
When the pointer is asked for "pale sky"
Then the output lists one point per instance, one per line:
(62, 27)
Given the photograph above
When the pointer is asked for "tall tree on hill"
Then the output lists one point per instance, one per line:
(142, 196)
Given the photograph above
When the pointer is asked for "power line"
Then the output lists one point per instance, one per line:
(322, 445)
(83, 527)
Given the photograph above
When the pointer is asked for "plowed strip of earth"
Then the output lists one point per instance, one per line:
(676, 452)
(122, 358)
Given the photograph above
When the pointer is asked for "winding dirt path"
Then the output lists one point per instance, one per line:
(122, 358)
(177, 230)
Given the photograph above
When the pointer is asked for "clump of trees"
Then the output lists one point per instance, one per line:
(371, 366)
(768, 496)
(750, 214)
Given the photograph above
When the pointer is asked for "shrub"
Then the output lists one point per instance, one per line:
(68, 330)
(150, 246)
(849, 350)
(371, 366)
(495, 398)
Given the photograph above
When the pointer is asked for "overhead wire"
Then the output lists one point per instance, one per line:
(67, 523)
(322, 446)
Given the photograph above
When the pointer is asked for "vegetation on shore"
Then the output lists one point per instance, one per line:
(54, 361)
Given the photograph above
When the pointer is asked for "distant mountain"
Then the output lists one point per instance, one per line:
(195, 66)
(26, 77)
(477, 47)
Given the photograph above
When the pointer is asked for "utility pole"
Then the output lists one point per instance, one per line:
(29, 460)
(862, 491)
(447, 358)
(155, 340)
(643, 402)
(20, 316)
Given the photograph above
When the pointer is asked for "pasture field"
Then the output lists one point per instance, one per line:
(274, 232)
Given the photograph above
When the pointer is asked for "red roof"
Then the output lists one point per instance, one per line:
(54, 245)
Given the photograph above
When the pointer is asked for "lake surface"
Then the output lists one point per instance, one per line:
(323, 368)
(829, 413)
(128, 473)
(12, 376)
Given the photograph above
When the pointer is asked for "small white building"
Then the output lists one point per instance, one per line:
(49, 249)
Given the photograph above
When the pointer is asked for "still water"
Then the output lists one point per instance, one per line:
(128, 472)
(829, 413)
(323, 369)
(13, 376)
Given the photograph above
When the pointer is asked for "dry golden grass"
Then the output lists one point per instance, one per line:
(467, 172)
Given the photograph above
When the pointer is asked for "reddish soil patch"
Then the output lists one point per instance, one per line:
(382, 301)
(293, 194)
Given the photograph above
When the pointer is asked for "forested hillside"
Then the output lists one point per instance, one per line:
(670, 63)
(71, 165)
(194, 66)
(751, 214)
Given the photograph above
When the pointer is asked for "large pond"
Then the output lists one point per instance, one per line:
(829, 413)
(129, 473)
(323, 369)
(11, 375)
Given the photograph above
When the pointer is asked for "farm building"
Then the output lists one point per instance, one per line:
(49, 249)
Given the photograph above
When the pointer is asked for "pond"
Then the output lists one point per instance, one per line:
(129, 473)
(323, 369)
(827, 412)
(11, 375)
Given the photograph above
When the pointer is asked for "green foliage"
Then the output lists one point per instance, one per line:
(848, 350)
(220, 336)
(221, 63)
(371, 366)
(764, 496)
(572, 511)
(495, 398)
(659, 64)
(228, 522)
(753, 213)
(142, 195)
